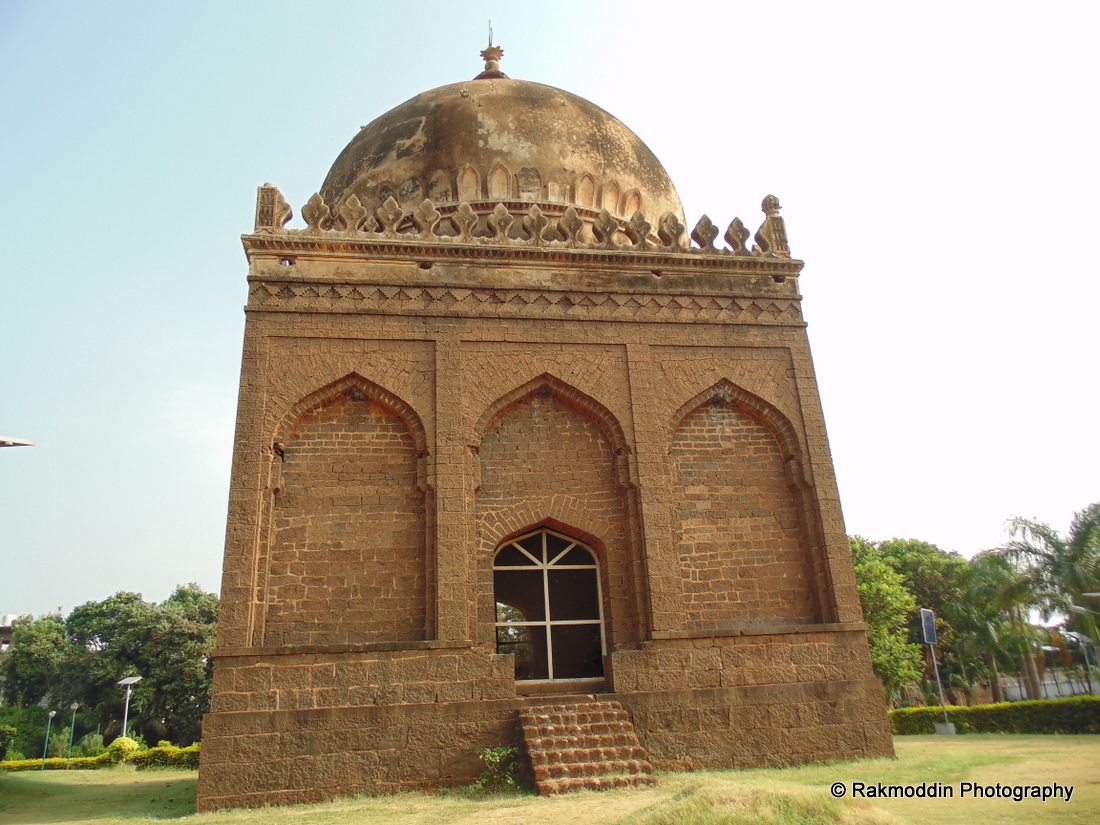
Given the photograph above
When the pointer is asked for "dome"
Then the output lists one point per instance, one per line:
(496, 140)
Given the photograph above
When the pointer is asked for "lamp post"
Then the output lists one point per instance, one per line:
(46, 747)
(15, 442)
(129, 682)
(72, 732)
(928, 631)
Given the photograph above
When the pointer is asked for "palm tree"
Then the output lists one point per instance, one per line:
(1064, 568)
(982, 627)
(1000, 596)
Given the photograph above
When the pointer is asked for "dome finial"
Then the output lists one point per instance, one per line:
(492, 56)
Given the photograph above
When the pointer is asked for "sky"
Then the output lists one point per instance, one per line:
(937, 163)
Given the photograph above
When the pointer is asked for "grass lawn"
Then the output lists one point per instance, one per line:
(776, 797)
(120, 794)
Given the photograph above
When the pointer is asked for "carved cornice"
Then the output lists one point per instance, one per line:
(333, 244)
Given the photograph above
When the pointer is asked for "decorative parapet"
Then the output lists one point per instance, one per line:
(518, 224)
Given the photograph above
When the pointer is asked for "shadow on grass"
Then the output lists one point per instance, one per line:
(33, 797)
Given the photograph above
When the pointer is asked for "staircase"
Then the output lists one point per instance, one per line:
(589, 746)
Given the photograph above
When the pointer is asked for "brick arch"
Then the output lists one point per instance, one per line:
(763, 412)
(525, 516)
(572, 396)
(592, 541)
(350, 383)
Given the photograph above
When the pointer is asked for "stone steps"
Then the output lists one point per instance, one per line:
(586, 746)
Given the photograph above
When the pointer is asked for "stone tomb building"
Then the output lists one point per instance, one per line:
(511, 442)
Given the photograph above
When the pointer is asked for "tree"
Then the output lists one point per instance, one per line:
(7, 736)
(937, 579)
(176, 648)
(982, 617)
(36, 662)
(81, 658)
(887, 606)
(106, 646)
(99, 625)
(1013, 591)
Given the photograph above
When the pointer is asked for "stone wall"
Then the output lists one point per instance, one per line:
(302, 727)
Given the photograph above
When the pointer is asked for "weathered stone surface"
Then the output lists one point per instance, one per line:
(532, 132)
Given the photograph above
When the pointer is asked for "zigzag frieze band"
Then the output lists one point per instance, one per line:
(407, 300)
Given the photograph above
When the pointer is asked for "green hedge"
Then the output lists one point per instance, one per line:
(167, 756)
(58, 763)
(162, 756)
(1078, 714)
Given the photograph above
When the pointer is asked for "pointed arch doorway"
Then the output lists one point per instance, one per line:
(549, 610)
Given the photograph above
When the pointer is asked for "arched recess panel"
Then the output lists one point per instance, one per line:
(347, 547)
(586, 191)
(611, 198)
(411, 193)
(439, 187)
(738, 525)
(500, 183)
(546, 455)
(633, 202)
(469, 184)
(557, 185)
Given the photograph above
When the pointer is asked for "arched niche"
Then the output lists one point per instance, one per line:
(387, 191)
(557, 185)
(410, 193)
(529, 182)
(550, 385)
(740, 516)
(346, 558)
(763, 411)
(547, 453)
